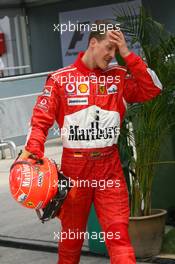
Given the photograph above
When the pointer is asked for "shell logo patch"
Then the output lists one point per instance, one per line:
(83, 88)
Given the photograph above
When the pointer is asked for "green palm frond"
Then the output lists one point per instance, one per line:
(155, 119)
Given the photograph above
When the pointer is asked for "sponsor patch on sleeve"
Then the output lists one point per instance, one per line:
(47, 91)
(112, 89)
(43, 104)
(77, 101)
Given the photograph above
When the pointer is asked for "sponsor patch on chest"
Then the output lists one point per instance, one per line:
(112, 89)
(77, 101)
(101, 89)
(70, 89)
(82, 88)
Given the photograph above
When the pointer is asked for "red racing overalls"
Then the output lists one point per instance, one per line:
(89, 106)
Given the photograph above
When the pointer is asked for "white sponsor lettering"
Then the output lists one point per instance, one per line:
(43, 102)
(40, 179)
(26, 175)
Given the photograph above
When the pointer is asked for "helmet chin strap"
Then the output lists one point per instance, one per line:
(53, 207)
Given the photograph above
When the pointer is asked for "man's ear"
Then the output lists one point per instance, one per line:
(92, 42)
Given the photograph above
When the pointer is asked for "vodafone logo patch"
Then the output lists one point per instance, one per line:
(70, 88)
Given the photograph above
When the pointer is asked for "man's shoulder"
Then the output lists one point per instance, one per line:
(62, 71)
(114, 67)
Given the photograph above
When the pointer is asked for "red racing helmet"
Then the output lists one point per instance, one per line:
(33, 183)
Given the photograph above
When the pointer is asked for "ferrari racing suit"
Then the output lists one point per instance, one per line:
(89, 106)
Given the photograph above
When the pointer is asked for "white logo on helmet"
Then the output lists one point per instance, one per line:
(40, 178)
(26, 173)
(22, 197)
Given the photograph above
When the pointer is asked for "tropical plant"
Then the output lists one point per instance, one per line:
(151, 121)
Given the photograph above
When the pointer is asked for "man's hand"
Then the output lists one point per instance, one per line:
(25, 154)
(117, 38)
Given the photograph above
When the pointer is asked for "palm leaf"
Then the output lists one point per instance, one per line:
(153, 120)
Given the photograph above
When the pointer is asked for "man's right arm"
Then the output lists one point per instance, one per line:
(43, 118)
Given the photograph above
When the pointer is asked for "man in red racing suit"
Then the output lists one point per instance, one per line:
(88, 100)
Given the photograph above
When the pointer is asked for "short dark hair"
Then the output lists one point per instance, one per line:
(96, 31)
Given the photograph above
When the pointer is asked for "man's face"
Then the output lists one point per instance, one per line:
(103, 51)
